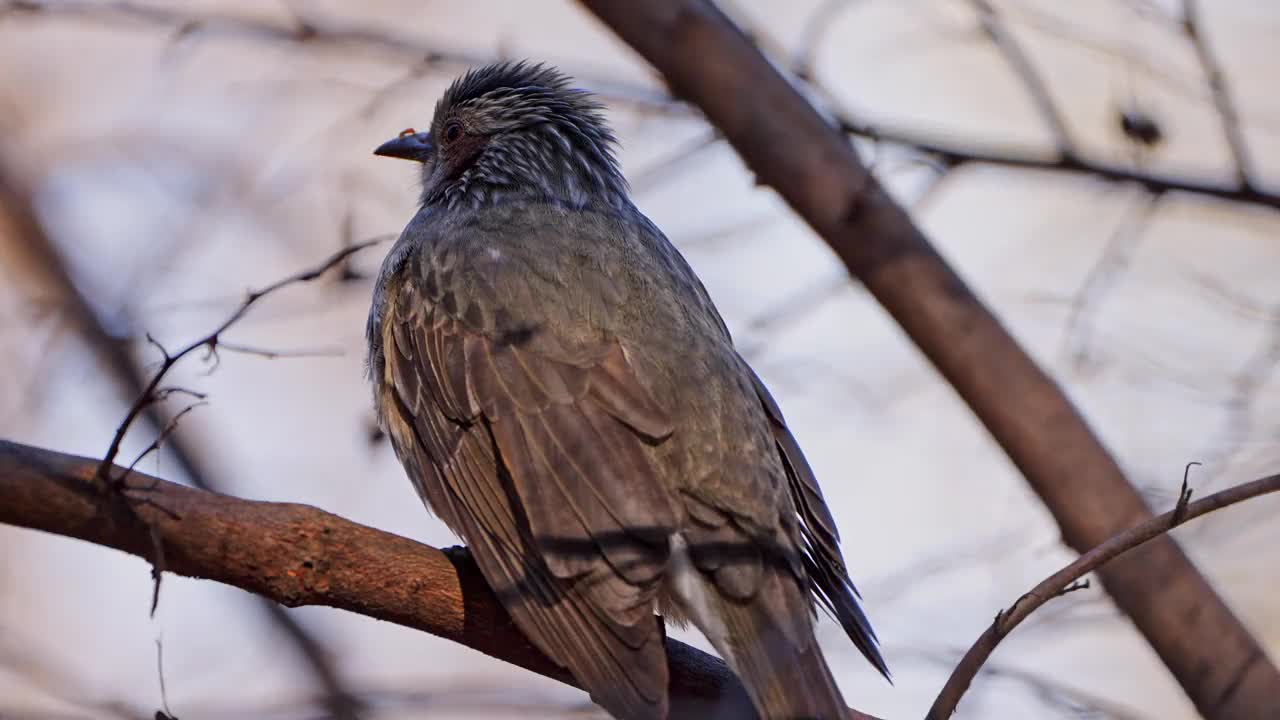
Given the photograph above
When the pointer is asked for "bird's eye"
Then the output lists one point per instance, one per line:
(452, 132)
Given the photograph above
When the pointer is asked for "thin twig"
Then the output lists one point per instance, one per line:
(1111, 266)
(164, 433)
(1021, 64)
(957, 153)
(660, 169)
(1065, 580)
(164, 694)
(276, 354)
(210, 343)
(1232, 130)
(311, 31)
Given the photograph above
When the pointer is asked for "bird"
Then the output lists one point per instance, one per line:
(565, 396)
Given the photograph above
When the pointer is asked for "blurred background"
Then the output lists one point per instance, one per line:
(159, 159)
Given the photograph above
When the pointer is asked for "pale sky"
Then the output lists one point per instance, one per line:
(177, 172)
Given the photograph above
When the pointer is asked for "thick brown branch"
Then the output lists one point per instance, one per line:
(790, 147)
(298, 555)
(1065, 578)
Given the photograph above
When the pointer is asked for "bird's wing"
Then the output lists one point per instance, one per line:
(532, 446)
(820, 540)
(760, 568)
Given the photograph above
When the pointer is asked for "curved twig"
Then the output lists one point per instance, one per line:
(1065, 580)
(151, 392)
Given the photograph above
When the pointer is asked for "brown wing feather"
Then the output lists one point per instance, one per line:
(823, 563)
(542, 467)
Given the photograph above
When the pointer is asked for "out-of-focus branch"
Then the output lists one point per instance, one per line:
(1021, 64)
(791, 148)
(1063, 580)
(126, 372)
(299, 30)
(423, 56)
(297, 555)
(953, 154)
(1232, 130)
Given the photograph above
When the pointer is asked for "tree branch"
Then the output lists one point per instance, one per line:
(1065, 579)
(298, 555)
(952, 154)
(1232, 130)
(302, 30)
(151, 392)
(1021, 64)
(791, 148)
(424, 57)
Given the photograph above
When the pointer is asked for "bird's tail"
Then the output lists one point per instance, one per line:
(786, 681)
(769, 642)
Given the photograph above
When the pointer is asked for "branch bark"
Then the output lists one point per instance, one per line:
(708, 61)
(298, 555)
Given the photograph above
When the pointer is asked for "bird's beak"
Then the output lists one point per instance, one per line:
(408, 145)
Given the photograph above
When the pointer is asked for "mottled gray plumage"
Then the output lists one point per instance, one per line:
(563, 394)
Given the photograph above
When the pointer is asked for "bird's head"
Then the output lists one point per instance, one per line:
(514, 130)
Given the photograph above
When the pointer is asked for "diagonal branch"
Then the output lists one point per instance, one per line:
(1232, 130)
(297, 555)
(793, 149)
(1021, 64)
(1065, 580)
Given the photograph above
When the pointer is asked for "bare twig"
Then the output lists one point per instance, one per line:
(308, 31)
(1021, 64)
(1111, 266)
(297, 555)
(277, 354)
(661, 168)
(164, 694)
(956, 153)
(815, 27)
(1056, 691)
(1232, 130)
(210, 343)
(1065, 579)
(168, 430)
